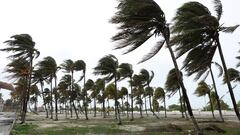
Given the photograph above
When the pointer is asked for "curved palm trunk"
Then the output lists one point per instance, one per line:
(108, 107)
(51, 95)
(181, 104)
(211, 104)
(44, 102)
(95, 108)
(145, 104)
(116, 103)
(56, 101)
(127, 107)
(217, 97)
(23, 107)
(165, 108)
(132, 118)
(28, 91)
(184, 91)
(227, 79)
(103, 104)
(85, 99)
(71, 100)
(150, 104)
(123, 107)
(140, 108)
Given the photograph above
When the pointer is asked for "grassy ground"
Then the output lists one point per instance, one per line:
(38, 125)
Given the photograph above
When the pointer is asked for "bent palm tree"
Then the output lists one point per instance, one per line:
(107, 66)
(139, 21)
(202, 90)
(49, 67)
(125, 71)
(23, 47)
(196, 28)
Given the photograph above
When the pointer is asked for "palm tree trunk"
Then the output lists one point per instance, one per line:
(108, 107)
(28, 90)
(181, 104)
(165, 107)
(44, 102)
(51, 95)
(95, 108)
(85, 99)
(127, 107)
(184, 91)
(24, 100)
(116, 102)
(217, 97)
(227, 79)
(211, 104)
(56, 100)
(71, 100)
(140, 109)
(145, 106)
(123, 112)
(150, 104)
(132, 118)
(103, 109)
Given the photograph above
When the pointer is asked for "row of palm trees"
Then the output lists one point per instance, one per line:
(194, 32)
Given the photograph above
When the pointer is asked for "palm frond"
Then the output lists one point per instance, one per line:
(218, 8)
(230, 29)
(153, 51)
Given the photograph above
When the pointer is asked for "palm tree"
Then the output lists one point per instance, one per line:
(172, 86)
(108, 66)
(22, 46)
(110, 93)
(89, 86)
(139, 21)
(80, 65)
(125, 70)
(100, 86)
(202, 90)
(122, 93)
(202, 67)
(65, 90)
(38, 77)
(69, 66)
(49, 68)
(138, 91)
(160, 94)
(147, 78)
(195, 27)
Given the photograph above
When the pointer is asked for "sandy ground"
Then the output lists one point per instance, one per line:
(139, 125)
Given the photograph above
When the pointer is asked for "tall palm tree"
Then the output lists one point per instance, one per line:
(108, 66)
(138, 91)
(202, 67)
(139, 21)
(123, 93)
(159, 93)
(147, 78)
(49, 67)
(65, 89)
(100, 86)
(69, 67)
(126, 71)
(22, 46)
(202, 90)
(172, 87)
(196, 28)
(80, 65)
(89, 86)
(38, 77)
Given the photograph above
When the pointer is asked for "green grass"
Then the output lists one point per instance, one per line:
(30, 129)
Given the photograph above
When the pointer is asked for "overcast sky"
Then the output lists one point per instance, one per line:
(77, 29)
